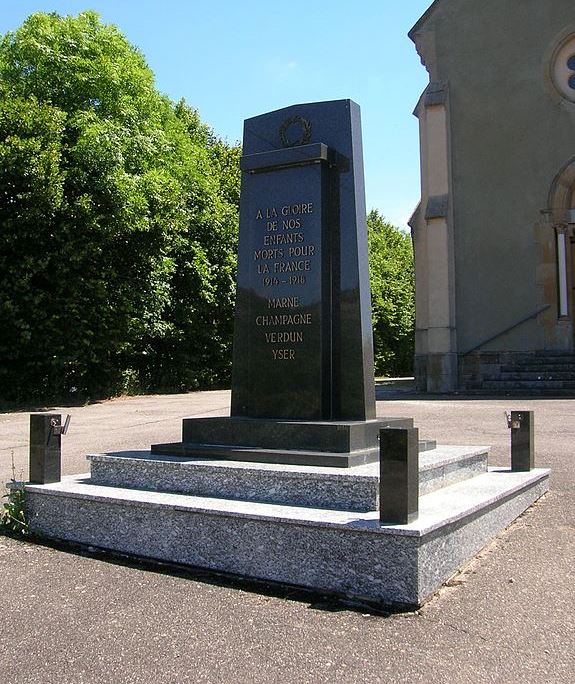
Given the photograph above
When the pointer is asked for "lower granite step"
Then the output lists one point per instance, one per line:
(343, 552)
(352, 489)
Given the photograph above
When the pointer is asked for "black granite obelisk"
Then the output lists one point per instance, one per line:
(303, 341)
(303, 378)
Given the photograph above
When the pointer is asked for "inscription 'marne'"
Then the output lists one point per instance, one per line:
(283, 303)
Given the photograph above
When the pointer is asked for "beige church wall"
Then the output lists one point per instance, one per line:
(438, 280)
(436, 362)
(421, 287)
(437, 172)
(509, 138)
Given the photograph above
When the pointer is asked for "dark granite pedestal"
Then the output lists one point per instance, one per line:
(294, 442)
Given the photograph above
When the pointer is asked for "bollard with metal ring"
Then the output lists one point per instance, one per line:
(522, 424)
(46, 430)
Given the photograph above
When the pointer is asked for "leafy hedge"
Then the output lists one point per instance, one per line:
(118, 222)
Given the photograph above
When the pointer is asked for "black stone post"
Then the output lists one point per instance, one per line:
(45, 447)
(522, 441)
(398, 475)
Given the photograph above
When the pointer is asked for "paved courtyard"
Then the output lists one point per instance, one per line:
(84, 617)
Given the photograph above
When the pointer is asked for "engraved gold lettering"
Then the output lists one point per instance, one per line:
(284, 303)
(283, 320)
(259, 215)
(291, 223)
(307, 250)
(294, 209)
(281, 239)
(290, 266)
(284, 354)
(277, 337)
(277, 253)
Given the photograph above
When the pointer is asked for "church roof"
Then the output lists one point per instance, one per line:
(423, 19)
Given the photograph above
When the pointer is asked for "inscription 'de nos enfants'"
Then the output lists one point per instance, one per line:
(284, 258)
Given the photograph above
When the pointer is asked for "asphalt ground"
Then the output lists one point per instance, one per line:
(72, 616)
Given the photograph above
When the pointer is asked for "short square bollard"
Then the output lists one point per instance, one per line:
(398, 475)
(45, 448)
(522, 440)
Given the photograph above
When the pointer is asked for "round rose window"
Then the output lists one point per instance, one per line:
(563, 69)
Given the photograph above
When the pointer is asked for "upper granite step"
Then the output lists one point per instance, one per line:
(342, 443)
(352, 489)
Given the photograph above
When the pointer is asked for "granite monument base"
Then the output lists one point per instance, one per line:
(287, 524)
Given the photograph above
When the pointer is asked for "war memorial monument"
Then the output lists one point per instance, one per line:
(287, 488)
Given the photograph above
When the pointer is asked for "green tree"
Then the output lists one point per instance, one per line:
(197, 349)
(392, 296)
(117, 209)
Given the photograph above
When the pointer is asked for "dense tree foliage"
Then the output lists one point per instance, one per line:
(118, 221)
(392, 297)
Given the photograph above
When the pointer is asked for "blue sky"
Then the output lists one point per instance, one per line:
(233, 59)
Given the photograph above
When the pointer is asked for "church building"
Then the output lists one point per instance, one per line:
(494, 233)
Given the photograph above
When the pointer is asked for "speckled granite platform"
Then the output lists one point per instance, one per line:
(338, 551)
(352, 489)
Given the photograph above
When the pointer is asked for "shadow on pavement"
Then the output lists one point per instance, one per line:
(331, 603)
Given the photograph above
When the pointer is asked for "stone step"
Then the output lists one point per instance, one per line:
(519, 392)
(539, 374)
(552, 356)
(539, 367)
(338, 444)
(529, 384)
(532, 374)
(427, 445)
(354, 489)
(341, 552)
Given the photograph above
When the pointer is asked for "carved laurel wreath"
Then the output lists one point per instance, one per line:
(303, 128)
